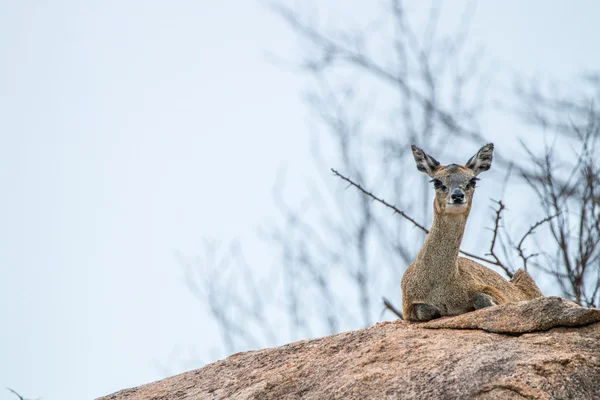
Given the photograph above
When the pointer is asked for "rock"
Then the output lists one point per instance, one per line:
(535, 315)
(558, 358)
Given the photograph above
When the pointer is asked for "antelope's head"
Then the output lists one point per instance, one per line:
(454, 184)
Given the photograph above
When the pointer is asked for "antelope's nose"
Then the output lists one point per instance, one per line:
(458, 196)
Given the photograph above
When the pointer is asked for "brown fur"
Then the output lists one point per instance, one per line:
(438, 277)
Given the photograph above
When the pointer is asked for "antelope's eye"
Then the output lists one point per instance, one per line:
(472, 183)
(437, 184)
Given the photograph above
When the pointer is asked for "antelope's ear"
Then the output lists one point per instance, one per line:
(425, 163)
(482, 161)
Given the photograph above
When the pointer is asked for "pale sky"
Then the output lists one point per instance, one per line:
(130, 130)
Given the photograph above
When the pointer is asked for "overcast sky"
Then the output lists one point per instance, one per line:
(130, 130)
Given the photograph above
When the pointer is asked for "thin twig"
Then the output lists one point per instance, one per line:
(391, 307)
(487, 260)
(16, 394)
(531, 230)
(385, 203)
(496, 230)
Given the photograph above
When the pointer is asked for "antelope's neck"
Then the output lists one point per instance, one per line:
(440, 249)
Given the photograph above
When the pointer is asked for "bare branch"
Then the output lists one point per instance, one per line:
(385, 203)
(567, 188)
(15, 393)
(391, 307)
(531, 231)
(497, 218)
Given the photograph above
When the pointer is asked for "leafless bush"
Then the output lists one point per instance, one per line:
(565, 178)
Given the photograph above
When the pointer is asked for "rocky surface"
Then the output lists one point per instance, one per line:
(548, 349)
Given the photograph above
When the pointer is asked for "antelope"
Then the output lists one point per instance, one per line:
(439, 282)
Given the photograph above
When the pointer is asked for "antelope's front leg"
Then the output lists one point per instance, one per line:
(422, 312)
(482, 300)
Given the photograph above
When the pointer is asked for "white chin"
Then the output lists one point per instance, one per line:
(453, 208)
